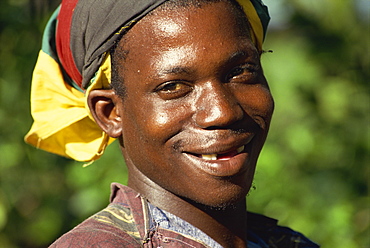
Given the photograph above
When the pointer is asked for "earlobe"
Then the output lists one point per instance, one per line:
(104, 109)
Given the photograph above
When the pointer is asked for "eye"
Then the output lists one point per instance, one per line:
(173, 89)
(242, 73)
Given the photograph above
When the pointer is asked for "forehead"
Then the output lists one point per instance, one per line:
(169, 24)
(192, 37)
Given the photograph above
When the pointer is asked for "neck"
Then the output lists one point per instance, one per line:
(227, 225)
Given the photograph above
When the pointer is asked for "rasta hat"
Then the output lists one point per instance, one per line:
(75, 59)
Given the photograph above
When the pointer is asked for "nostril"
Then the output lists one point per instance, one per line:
(217, 106)
(218, 115)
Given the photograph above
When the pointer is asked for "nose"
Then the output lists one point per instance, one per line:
(217, 106)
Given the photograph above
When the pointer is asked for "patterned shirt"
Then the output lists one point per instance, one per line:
(130, 221)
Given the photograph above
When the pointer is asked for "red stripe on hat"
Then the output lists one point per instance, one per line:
(63, 38)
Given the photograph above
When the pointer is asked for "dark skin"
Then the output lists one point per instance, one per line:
(195, 116)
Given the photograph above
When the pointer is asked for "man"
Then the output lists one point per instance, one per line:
(180, 85)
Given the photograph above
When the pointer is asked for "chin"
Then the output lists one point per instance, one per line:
(227, 198)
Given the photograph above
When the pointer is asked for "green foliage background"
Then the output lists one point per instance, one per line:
(313, 174)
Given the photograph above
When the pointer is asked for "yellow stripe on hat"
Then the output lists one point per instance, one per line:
(255, 22)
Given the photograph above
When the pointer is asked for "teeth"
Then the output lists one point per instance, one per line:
(240, 149)
(209, 156)
(214, 155)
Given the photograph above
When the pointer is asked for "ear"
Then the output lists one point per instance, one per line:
(104, 109)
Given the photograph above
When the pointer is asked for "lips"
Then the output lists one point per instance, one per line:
(222, 160)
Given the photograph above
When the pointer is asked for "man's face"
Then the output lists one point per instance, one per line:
(197, 106)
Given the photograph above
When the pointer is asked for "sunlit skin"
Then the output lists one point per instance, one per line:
(194, 118)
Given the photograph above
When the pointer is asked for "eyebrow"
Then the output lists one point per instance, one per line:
(175, 70)
(240, 54)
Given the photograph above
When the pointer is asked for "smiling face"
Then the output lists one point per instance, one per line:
(197, 106)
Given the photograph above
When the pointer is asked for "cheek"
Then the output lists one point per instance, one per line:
(264, 102)
(154, 121)
(258, 103)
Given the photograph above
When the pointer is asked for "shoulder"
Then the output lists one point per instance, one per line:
(262, 229)
(112, 227)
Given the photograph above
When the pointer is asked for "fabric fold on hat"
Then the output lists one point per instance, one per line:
(62, 124)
